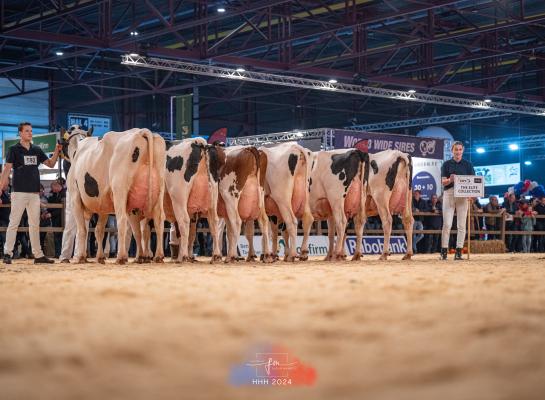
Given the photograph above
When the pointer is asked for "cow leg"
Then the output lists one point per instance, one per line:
(159, 224)
(191, 238)
(359, 222)
(99, 234)
(263, 221)
(274, 238)
(408, 222)
(386, 219)
(291, 230)
(82, 228)
(146, 238)
(331, 238)
(307, 226)
(234, 224)
(249, 231)
(134, 222)
(216, 230)
(340, 228)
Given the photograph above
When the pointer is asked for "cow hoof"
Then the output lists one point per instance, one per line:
(383, 257)
(407, 257)
(101, 260)
(158, 260)
(139, 260)
(65, 261)
(187, 259)
(275, 257)
(122, 261)
(229, 260)
(304, 255)
(251, 258)
(215, 259)
(81, 260)
(268, 258)
(356, 257)
(328, 257)
(340, 257)
(289, 258)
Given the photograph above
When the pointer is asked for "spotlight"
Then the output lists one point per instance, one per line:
(411, 91)
(59, 53)
(221, 10)
(333, 81)
(134, 33)
(513, 146)
(488, 100)
(527, 163)
(480, 150)
(298, 133)
(133, 54)
(239, 69)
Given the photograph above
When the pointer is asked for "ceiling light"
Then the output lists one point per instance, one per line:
(480, 150)
(488, 100)
(59, 53)
(332, 81)
(527, 163)
(239, 69)
(134, 33)
(133, 54)
(513, 146)
(411, 91)
(221, 9)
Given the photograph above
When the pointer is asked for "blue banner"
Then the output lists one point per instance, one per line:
(375, 244)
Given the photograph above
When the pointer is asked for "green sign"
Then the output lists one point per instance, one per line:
(184, 116)
(46, 142)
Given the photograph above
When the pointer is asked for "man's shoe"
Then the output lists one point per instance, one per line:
(43, 260)
(7, 259)
(458, 255)
(444, 252)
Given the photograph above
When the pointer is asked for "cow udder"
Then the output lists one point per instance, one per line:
(138, 193)
(248, 204)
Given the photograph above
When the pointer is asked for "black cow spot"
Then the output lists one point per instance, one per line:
(135, 211)
(309, 184)
(174, 163)
(193, 161)
(282, 227)
(168, 144)
(214, 163)
(273, 219)
(344, 195)
(410, 171)
(392, 173)
(135, 154)
(292, 162)
(346, 165)
(374, 166)
(90, 185)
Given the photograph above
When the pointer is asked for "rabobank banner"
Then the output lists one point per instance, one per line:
(317, 245)
(375, 244)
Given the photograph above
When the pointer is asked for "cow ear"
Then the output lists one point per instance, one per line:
(64, 134)
(90, 131)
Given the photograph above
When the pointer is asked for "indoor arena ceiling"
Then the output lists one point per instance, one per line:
(471, 49)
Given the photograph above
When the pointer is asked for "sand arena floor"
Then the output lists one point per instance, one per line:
(371, 330)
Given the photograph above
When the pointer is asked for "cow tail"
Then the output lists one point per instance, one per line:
(149, 137)
(409, 172)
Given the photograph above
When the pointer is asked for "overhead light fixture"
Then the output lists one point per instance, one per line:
(134, 33)
(133, 54)
(59, 53)
(487, 100)
(480, 150)
(221, 9)
(513, 146)
(527, 163)
(239, 69)
(411, 91)
(298, 133)
(333, 81)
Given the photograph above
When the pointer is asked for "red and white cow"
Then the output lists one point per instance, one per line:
(242, 197)
(337, 184)
(286, 193)
(192, 191)
(121, 173)
(389, 191)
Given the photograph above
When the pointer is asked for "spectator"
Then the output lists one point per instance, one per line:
(56, 197)
(510, 206)
(477, 220)
(419, 204)
(434, 222)
(540, 225)
(493, 223)
(45, 216)
(528, 219)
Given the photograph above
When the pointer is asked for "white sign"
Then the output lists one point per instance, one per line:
(427, 176)
(503, 174)
(100, 124)
(317, 245)
(468, 186)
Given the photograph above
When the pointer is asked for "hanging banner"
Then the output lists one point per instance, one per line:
(46, 142)
(184, 116)
(101, 124)
(373, 142)
(218, 136)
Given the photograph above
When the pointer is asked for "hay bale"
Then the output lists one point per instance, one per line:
(487, 247)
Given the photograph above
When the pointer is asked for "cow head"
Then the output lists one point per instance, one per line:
(70, 139)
